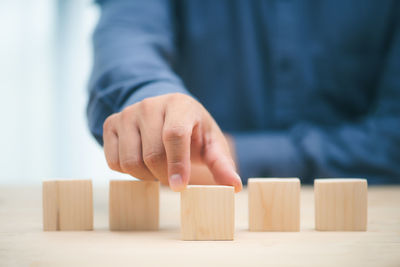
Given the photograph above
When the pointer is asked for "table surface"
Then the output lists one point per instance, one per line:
(23, 243)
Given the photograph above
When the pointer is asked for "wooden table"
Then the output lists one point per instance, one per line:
(23, 243)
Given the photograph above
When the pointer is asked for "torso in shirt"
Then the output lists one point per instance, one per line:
(267, 65)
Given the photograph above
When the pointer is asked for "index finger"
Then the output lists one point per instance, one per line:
(177, 132)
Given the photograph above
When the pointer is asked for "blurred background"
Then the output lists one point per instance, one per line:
(45, 60)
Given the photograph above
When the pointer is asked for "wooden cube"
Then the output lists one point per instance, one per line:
(67, 205)
(341, 204)
(207, 212)
(274, 204)
(134, 205)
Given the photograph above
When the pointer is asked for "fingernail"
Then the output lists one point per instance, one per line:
(237, 177)
(175, 182)
(238, 186)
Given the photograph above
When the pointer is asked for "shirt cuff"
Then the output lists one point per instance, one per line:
(267, 155)
(154, 89)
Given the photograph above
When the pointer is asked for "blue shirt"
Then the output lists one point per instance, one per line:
(306, 88)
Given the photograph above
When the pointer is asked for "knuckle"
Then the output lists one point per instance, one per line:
(147, 106)
(132, 164)
(154, 159)
(127, 115)
(174, 96)
(176, 133)
(107, 125)
(181, 98)
(147, 102)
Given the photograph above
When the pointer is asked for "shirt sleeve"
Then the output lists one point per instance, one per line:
(369, 147)
(133, 58)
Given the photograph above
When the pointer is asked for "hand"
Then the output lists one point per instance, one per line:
(159, 138)
(201, 175)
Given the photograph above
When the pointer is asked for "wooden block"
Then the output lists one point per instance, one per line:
(341, 204)
(134, 205)
(67, 205)
(274, 204)
(207, 212)
(50, 206)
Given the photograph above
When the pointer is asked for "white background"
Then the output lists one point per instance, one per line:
(45, 61)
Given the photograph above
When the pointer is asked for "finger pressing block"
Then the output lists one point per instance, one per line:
(341, 204)
(207, 212)
(134, 205)
(67, 205)
(274, 204)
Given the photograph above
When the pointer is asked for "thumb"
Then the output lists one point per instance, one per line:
(221, 165)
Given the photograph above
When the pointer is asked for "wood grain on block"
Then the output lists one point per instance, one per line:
(67, 205)
(274, 204)
(207, 212)
(134, 205)
(341, 204)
